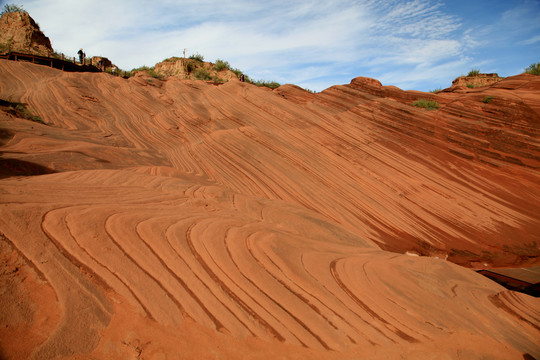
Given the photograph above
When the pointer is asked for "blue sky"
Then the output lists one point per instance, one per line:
(415, 45)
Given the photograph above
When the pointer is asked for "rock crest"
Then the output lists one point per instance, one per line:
(187, 69)
(19, 32)
(479, 80)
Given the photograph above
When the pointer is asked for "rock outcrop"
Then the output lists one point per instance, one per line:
(479, 80)
(19, 32)
(101, 62)
(192, 69)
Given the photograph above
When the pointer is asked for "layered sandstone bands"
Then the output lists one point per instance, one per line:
(194, 219)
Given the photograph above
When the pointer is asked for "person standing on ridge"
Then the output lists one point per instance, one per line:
(81, 54)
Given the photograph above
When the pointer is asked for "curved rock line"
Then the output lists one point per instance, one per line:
(87, 268)
(131, 259)
(231, 292)
(372, 313)
(307, 298)
(218, 324)
(272, 299)
(227, 293)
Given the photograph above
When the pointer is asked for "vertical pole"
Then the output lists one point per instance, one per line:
(185, 53)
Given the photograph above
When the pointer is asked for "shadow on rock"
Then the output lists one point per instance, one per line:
(15, 167)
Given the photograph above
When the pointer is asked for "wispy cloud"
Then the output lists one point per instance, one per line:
(530, 41)
(311, 43)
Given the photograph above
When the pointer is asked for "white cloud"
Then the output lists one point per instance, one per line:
(416, 19)
(438, 75)
(530, 41)
(308, 42)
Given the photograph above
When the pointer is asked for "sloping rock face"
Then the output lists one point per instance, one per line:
(19, 32)
(188, 220)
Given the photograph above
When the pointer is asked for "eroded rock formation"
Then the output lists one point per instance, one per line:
(191, 220)
(475, 81)
(192, 69)
(19, 32)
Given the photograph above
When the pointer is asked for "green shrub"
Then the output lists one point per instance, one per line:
(426, 104)
(533, 69)
(172, 59)
(197, 57)
(149, 70)
(487, 99)
(202, 74)
(221, 65)
(434, 91)
(474, 72)
(152, 72)
(472, 86)
(190, 66)
(268, 84)
(12, 8)
(21, 110)
(6, 47)
(218, 80)
(140, 68)
(125, 74)
(237, 72)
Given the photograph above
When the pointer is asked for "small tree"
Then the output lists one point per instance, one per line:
(202, 74)
(474, 72)
(12, 8)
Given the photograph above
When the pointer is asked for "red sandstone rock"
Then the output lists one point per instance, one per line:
(188, 220)
(187, 69)
(103, 61)
(480, 80)
(19, 32)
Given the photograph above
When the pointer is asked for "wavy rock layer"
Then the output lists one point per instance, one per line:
(188, 220)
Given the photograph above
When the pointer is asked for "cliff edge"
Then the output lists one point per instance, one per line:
(19, 32)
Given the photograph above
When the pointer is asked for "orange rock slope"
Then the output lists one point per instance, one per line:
(182, 219)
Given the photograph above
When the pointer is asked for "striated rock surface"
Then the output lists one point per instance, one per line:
(19, 32)
(189, 220)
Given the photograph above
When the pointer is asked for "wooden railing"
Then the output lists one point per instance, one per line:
(53, 62)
